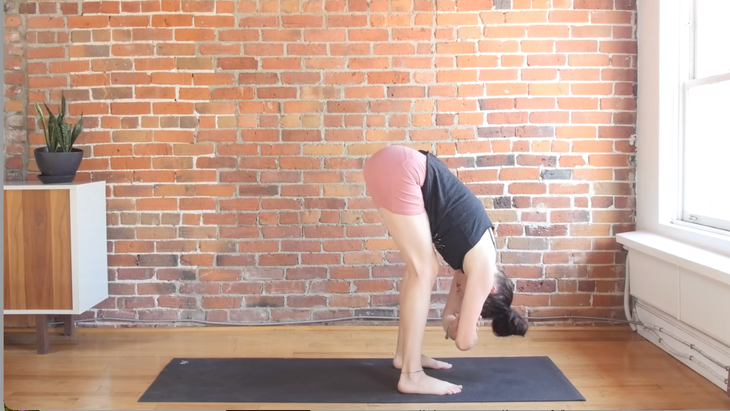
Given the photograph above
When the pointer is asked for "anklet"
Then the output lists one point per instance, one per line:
(411, 372)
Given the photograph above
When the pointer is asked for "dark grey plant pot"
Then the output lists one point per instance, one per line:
(58, 167)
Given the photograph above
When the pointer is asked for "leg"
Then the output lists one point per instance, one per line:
(412, 235)
(68, 325)
(41, 333)
(426, 362)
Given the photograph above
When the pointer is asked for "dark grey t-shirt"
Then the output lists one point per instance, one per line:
(457, 217)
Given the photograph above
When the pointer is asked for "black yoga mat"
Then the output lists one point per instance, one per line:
(304, 380)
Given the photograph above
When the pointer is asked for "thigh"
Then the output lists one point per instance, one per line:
(412, 236)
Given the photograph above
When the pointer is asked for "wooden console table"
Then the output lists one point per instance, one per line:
(55, 251)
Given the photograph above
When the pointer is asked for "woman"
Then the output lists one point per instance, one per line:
(424, 206)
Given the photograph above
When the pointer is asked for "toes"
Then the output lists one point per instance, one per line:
(454, 389)
(439, 365)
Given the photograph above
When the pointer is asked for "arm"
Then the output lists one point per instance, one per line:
(477, 291)
(479, 267)
(451, 310)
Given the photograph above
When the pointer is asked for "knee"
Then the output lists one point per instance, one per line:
(424, 271)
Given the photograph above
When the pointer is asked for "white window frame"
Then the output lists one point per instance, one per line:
(662, 35)
(688, 80)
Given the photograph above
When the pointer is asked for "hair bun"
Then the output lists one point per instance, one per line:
(518, 322)
(505, 320)
(509, 323)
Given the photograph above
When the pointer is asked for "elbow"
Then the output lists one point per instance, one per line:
(463, 345)
(466, 342)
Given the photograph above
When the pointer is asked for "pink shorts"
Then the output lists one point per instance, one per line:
(394, 177)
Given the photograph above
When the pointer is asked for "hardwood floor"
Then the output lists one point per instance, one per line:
(109, 369)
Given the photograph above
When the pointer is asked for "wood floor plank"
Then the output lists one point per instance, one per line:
(207, 406)
(100, 369)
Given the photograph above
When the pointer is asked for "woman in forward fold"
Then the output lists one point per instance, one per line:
(424, 206)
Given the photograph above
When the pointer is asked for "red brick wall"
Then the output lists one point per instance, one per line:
(232, 135)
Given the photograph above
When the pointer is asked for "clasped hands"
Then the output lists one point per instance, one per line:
(453, 328)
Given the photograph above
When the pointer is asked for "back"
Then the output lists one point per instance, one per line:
(457, 217)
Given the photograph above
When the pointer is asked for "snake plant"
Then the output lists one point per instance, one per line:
(8, 409)
(58, 133)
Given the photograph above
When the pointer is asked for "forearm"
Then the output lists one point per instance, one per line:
(469, 316)
(451, 310)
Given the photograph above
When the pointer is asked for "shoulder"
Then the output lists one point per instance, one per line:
(482, 254)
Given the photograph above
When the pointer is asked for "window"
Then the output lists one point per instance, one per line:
(705, 142)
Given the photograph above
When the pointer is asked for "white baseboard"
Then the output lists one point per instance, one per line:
(713, 372)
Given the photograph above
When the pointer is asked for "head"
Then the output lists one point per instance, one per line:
(505, 320)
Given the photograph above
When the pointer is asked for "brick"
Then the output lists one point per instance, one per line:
(280, 35)
(194, 63)
(285, 287)
(175, 49)
(221, 302)
(306, 301)
(568, 16)
(593, 4)
(570, 300)
(26, 8)
(155, 288)
(535, 286)
(214, 21)
(611, 17)
(608, 300)
(84, 22)
(157, 260)
(532, 108)
(302, 21)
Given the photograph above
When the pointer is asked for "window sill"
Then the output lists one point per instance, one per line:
(701, 261)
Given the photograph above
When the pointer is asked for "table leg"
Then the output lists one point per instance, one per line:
(69, 327)
(41, 333)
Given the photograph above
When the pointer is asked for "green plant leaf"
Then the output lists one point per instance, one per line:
(52, 130)
(77, 130)
(52, 136)
(56, 136)
(43, 123)
(62, 112)
(65, 136)
(9, 409)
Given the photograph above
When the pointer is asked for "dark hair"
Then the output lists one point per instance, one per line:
(505, 320)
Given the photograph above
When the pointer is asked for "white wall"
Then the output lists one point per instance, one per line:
(679, 276)
(662, 34)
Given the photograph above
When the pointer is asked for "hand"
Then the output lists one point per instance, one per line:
(454, 329)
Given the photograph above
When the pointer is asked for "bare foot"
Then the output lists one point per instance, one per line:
(426, 362)
(420, 383)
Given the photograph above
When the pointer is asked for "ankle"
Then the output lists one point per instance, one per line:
(412, 375)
